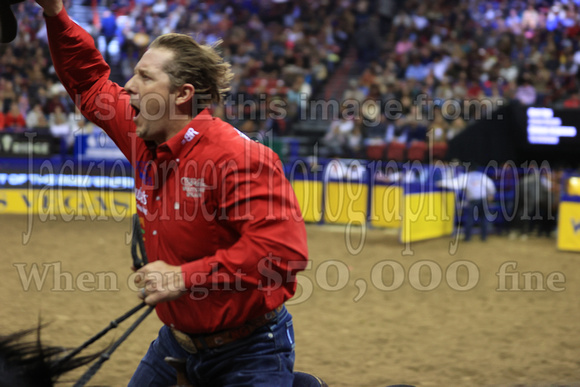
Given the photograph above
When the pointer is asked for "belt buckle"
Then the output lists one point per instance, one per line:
(274, 313)
(184, 341)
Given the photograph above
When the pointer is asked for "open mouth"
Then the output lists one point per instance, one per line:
(136, 110)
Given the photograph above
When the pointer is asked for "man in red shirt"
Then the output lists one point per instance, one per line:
(222, 228)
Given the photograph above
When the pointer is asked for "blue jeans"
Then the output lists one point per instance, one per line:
(265, 358)
(470, 219)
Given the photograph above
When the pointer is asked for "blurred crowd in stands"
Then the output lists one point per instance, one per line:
(403, 75)
(448, 64)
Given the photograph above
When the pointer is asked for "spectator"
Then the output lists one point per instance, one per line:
(14, 119)
(354, 141)
(417, 130)
(335, 139)
(440, 65)
(513, 22)
(299, 95)
(353, 92)
(530, 18)
(108, 30)
(402, 20)
(572, 102)
(404, 45)
(398, 131)
(77, 123)
(437, 130)
(508, 70)
(59, 124)
(35, 119)
(2, 118)
(526, 93)
(420, 22)
(443, 92)
(416, 70)
(461, 45)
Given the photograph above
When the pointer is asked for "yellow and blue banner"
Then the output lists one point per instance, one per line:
(53, 201)
(569, 226)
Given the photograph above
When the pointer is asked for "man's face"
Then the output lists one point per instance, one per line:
(150, 95)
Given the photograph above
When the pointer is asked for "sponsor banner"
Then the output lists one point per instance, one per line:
(97, 145)
(28, 144)
(427, 215)
(386, 210)
(345, 203)
(418, 216)
(69, 203)
(16, 180)
(569, 226)
(309, 196)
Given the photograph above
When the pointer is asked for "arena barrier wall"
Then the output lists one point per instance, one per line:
(386, 206)
(345, 203)
(309, 195)
(418, 211)
(569, 225)
(427, 215)
(569, 215)
(67, 203)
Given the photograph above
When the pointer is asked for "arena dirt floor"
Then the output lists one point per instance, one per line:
(361, 323)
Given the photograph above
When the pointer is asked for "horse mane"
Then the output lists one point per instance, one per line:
(29, 363)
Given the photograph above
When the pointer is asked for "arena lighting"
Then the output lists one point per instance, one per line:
(59, 180)
(543, 128)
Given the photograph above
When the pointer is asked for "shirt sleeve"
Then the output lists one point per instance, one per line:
(259, 203)
(85, 75)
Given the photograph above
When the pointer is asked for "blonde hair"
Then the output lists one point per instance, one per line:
(197, 64)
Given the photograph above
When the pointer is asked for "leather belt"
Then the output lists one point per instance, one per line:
(193, 343)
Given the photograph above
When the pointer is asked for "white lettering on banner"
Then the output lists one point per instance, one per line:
(189, 135)
(194, 188)
(21, 147)
(6, 143)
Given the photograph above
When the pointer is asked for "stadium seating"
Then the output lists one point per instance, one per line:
(376, 152)
(396, 151)
(417, 151)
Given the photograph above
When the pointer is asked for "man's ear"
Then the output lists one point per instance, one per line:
(184, 94)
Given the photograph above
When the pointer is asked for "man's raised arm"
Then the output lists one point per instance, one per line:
(85, 75)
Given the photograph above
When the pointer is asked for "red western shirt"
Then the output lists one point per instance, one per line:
(209, 199)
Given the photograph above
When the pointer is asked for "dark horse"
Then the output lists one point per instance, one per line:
(29, 363)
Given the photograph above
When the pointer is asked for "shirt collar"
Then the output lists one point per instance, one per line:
(186, 138)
